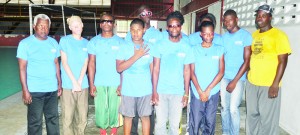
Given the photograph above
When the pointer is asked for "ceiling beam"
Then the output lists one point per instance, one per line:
(196, 4)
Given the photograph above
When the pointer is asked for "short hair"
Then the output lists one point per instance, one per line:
(142, 8)
(177, 15)
(137, 21)
(230, 12)
(74, 19)
(107, 14)
(209, 16)
(43, 17)
(206, 24)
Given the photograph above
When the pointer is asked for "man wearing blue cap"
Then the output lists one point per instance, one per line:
(270, 50)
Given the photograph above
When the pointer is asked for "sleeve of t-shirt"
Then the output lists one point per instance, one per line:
(282, 44)
(62, 44)
(22, 50)
(248, 39)
(54, 42)
(155, 50)
(189, 55)
(91, 47)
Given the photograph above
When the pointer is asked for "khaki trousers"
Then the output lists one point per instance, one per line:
(74, 110)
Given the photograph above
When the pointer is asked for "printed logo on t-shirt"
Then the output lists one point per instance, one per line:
(257, 46)
(152, 40)
(53, 50)
(239, 43)
(215, 57)
(182, 55)
(84, 49)
(114, 47)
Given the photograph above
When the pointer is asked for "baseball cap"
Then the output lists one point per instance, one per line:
(266, 8)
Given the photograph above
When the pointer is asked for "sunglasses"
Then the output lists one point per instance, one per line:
(107, 21)
(146, 13)
(174, 26)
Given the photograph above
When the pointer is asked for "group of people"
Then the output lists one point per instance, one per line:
(151, 75)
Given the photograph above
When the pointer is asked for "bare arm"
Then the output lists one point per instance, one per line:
(64, 61)
(91, 73)
(83, 72)
(59, 90)
(155, 75)
(187, 78)
(23, 79)
(217, 78)
(244, 67)
(282, 62)
(195, 80)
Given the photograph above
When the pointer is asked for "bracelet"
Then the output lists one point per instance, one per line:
(186, 95)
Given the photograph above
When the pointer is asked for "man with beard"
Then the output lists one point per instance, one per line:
(270, 50)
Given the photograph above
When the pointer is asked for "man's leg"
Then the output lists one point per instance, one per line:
(82, 111)
(145, 125)
(225, 111)
(253, 115)
(235, 101)
(51, 113)
(127, 125)
(101, 108)
(113, 106)
(269, 109)
(35, 113)
(175, 111)
(162, 113)
(127, 109)
(211, 112)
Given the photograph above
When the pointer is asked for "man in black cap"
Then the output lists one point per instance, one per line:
(270, 50)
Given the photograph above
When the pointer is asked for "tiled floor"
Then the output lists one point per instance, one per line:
(13, 119)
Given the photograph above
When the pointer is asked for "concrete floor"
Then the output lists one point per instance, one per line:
(13, 119)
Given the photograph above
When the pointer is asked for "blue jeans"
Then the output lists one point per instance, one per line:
(169, 108)
(43, 103)
(230, 107)
(203, 115)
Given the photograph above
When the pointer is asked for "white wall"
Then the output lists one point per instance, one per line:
(215, 9)
(290, 104)
(162, 25)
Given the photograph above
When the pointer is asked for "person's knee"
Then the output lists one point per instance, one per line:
(145, 118)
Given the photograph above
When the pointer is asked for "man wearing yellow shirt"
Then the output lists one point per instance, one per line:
(270, 50)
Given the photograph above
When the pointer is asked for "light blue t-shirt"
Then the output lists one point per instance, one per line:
(234, 45)
(76, 51)
(40, 56)
(195, 39)
(151, 35)
(173, 57)
(137, 78)
(207, 62)
(106, 50)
